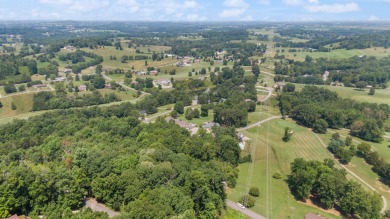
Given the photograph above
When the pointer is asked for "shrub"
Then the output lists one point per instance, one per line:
(247, 201)
(254, 191)
(277, 176)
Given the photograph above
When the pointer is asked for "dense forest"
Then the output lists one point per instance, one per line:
(51, 162)
(319, 108)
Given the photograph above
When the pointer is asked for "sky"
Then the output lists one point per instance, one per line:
(196, 10)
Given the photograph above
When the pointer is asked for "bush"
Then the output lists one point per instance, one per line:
(277, 176)
(13, 106)
(247, 201)
(254, 191)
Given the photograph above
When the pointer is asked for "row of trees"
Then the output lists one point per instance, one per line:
(330, 188)
(319, 108)
(48, 100)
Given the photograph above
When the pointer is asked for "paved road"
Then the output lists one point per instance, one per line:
(268, 73)
(147, 120)
(122, 84)
(258, 123)
(95, 206)
(269, 90)
(357, 177)
(245, 211)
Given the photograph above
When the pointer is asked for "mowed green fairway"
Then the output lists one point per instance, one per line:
(278, 203)
(381, 95)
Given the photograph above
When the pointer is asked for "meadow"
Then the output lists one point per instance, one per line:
(275, 201)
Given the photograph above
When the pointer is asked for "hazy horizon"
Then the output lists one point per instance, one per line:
(196, 10)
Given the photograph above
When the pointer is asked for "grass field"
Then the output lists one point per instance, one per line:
(279, 202)
(336, 54)
(381, 95)
(233, 214)
(23, 103)
(108, 51)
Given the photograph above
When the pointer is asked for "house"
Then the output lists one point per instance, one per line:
(154, 72)
(13, 217)
(59, 79)
(189, 126)
(39, 85)
(313, 216)
(82, 88)
(163, 81)
(141, 72)
(209, 125)
(69, 47)
(242, 140)
(108, 86)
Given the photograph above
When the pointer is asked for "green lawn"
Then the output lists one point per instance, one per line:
(280, 154)
(233, 214)
(381, 95)
(335, 54)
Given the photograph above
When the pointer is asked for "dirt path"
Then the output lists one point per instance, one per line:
(245, 211)
(356, 176)
(258, 123)
(95, 206)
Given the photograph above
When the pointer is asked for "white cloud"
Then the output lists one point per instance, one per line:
(89, 5)
(57, 2)
(374, 18)
(333, 8)
(235, 3)
(293, 2)
(313, 1)
(232, 13)
(191, 4)
(195, 17)
(264, 2)
(131, 5)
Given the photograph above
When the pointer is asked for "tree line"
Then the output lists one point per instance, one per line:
(319, 108)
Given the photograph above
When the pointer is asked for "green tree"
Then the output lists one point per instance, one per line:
(174, 114)
(179, 107)
(189, 113)
(1, 104)
(320, 126)
(22, 88)
(287, 134)
(204, 110)
(196, 113)
(372, 91)
(289, 87)
(254, 191)
(361, 84)
(256, 70)
(13, 106)
(247, 201)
